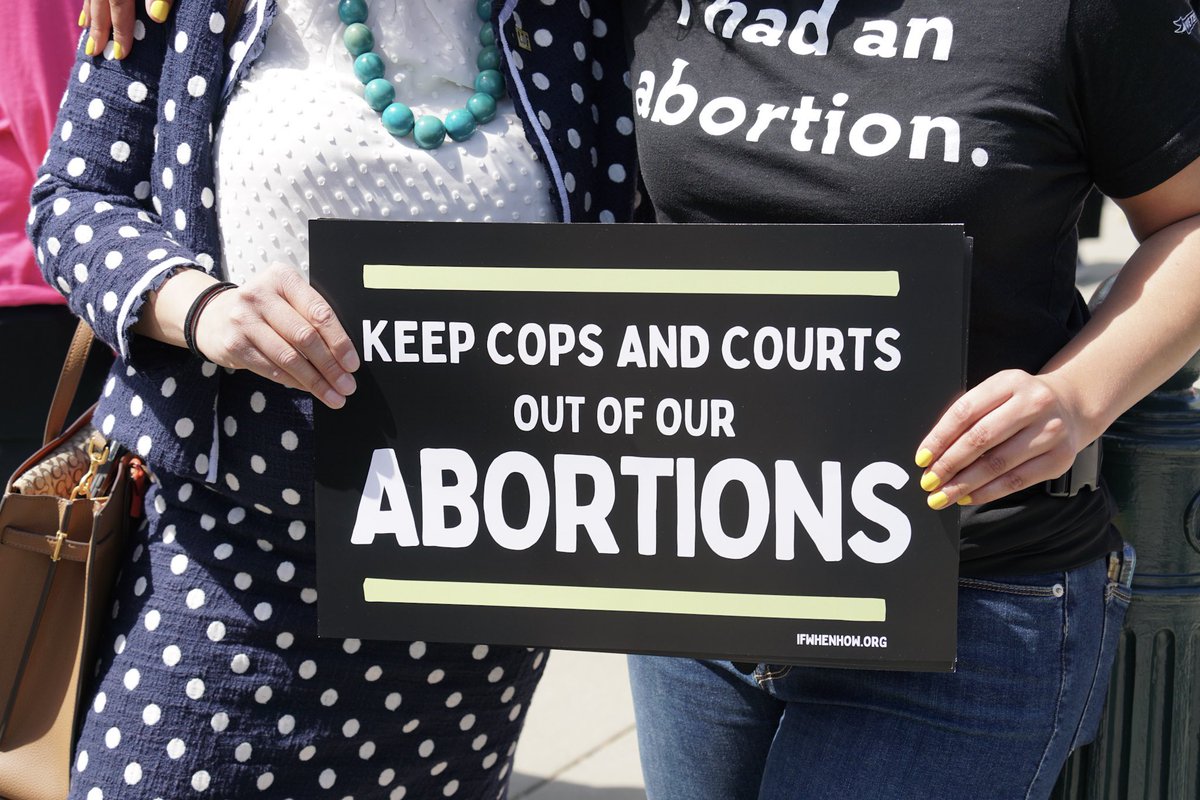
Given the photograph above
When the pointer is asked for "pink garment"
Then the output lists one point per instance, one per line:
(38, 51)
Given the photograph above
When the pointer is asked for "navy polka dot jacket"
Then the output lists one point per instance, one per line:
(125, 197)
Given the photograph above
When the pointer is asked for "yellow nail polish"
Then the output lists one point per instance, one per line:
(965, 500)
(118, 51)
(82, 18)
(938, 501)
(159, 10)
(930, 481)
(90, 47)
(924, 457)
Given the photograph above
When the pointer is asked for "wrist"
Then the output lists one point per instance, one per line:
(196, 309)
(1083, 405)
(165, 311)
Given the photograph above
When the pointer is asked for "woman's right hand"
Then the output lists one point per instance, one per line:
(278, 326)
(275, 325)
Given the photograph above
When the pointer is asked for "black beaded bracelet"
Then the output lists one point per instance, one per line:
(194, 311)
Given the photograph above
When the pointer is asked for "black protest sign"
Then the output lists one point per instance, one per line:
(679, 439)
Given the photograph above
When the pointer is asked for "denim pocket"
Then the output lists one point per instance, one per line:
(1049, 585)
(1117, 597)
(765, 673)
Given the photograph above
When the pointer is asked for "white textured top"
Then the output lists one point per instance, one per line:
(299, 142)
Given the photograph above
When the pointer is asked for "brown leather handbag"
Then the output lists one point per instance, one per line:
(64, 523)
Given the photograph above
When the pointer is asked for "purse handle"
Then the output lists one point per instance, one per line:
(68, 382)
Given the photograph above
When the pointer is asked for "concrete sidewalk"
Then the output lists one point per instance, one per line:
(579, 741)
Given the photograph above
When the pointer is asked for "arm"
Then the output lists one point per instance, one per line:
(97, 237)
(121, 266)
(1015, 429)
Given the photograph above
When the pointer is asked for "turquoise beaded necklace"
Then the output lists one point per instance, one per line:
(428, 131)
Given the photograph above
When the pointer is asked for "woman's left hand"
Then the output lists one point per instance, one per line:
(1015, 430)
(1011, 431)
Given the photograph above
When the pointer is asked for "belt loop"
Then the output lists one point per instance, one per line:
(1128, 565)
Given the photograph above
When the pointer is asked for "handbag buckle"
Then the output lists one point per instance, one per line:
(59, 538)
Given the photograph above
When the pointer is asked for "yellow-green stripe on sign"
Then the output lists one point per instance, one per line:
(644, 601)
(878, 283)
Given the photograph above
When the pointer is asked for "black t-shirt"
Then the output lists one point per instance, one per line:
(999, 115)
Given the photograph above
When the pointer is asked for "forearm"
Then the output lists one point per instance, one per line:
(1147, 327)
(1015, 429)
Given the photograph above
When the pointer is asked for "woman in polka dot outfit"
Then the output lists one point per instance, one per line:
(195, 152)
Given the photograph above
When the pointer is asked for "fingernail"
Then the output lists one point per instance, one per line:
(930, 481)
(159, 10)
(351, 362)
(965, 500)
(938, 501)
(346, 384)
(118, 51)
(82, 19)
(924, 457)
(333, 399)
(90, 47)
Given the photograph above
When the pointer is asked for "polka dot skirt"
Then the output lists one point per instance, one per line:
(212, 683)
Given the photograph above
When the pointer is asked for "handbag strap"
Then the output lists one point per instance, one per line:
(68, 382)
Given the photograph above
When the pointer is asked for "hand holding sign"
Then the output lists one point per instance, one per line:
(1009, 432)
(278, 326)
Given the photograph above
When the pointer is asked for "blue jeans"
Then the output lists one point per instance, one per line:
(1034, 656)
